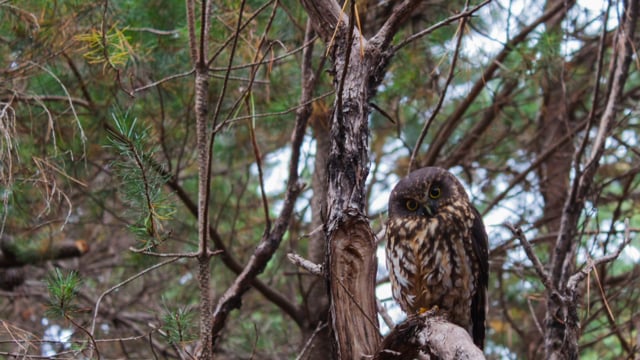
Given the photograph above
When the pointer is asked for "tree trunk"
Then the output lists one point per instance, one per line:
(351, 261)
(562, 320)
(358, 67)
(555, 123)
(317, 299)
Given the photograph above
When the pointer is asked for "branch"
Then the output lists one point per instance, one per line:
(428, 334)
(309, 343)
(227, 258)
(199, 53)
(443, 94)
(271, 239)
(44, 98)
(579, 276)
(535, 164)
(561, 263)
(269, 243)
(444, 134)
(310, 266)
(400, 14)
(438, 25)
(325, 15)
(13, 255)
(168, 78)
(119, 285)
(537, 265)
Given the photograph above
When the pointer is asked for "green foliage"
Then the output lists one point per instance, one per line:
(141, 182)
(55, 91)
(63, 289)
(179, 325)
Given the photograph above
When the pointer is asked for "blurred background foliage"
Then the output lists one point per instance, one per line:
(74, 75)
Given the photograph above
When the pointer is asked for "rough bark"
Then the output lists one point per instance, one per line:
(358, 67)
(351, 244)
(201, 109)
(428, 336)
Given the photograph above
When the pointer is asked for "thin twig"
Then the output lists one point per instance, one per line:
(310, 266)
(273, 114)
(91, 338)
(534, 317)
(307, 345)
(357, 304)
(576, 278)
(117, 286)
(168, 78)
(272, 60)
(154, 31)
(537, 265)
(438, 25)
(384, 314)
(443, 94)
(234, 36)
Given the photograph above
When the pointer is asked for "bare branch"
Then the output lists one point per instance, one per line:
(444, 134)
(537, 265)
(307, 345)
(443, 94)
(579, 276)
(310, 266)
(384, 314)
(168, 78)
(465, 14)
(561, 261)
(119, 285)
(271, 239)
(390, 27)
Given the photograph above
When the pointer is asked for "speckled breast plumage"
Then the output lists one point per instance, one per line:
(430, 265)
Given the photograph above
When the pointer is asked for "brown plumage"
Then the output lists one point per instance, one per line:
(437, 249)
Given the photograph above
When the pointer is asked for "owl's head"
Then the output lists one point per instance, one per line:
(424, 192)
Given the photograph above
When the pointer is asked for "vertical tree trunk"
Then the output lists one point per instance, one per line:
(358, 67)
(317, 299)
(351, 260)
(555, 123)
(562, 321)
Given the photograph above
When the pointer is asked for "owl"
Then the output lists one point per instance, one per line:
(437, 249)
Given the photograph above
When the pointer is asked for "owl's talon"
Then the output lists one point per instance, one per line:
(423, 310)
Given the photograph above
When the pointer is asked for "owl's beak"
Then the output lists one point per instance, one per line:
(428, 208)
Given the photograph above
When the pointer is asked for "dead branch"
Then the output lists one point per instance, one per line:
(428, 336)
(311, 267)
(13, 255)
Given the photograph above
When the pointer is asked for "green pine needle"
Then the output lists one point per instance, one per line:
(62, 292)
(179, 325)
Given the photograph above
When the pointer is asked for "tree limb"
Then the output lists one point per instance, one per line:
(428, 336)
(452, 122)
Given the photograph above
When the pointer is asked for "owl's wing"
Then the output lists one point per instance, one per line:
(480, 243)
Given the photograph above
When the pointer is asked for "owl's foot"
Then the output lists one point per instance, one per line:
(423, 310)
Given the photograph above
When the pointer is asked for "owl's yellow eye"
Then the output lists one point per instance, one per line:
(435, 192)
(411, 205)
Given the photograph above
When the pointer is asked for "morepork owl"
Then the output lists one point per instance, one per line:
(437, 249)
